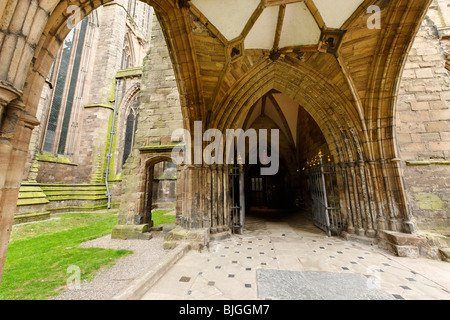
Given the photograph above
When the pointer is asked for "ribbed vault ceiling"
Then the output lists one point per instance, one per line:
(273, 24)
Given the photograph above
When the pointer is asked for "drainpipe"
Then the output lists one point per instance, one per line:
(111, 140)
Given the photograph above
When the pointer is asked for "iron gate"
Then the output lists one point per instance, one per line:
(235, 208)
(325, 199)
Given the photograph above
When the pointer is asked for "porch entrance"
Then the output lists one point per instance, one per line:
(298, 187)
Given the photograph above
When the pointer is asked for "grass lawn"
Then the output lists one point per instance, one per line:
(159, 218)
(40, 254)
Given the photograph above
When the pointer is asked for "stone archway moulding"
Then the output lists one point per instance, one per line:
(32, 33)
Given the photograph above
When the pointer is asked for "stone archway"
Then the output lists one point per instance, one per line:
(286, 193)
(138, 213)
(367, 65)
(334, 122)
(33, 33)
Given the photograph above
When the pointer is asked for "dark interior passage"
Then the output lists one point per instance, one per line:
(284, 196)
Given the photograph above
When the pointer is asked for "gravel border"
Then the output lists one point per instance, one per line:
(110, 281)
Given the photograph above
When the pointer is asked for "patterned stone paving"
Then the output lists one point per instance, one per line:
(229, 269)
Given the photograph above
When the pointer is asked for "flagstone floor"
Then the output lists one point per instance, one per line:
(276, 257)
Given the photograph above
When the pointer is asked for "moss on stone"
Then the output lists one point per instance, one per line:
(113, 149)
(125, 232)
(33, 194)
(99, 105)
(74, 190)
(130, 72)
(29, 217)
(428, 163)
(158, 147)
(76, 197)
(118, 177)
(48, 157)
(32, 201)
(30, 189)
(98, 175)
(78, 208)
(74, 185)
(429, 201)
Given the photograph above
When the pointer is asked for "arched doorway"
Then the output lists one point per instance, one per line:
(270, 192)
(352, 90)
(163, 185)
(159, 190)
(288, 192)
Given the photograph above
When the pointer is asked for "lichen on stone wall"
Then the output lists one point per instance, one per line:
(429, 201)
(55, 158)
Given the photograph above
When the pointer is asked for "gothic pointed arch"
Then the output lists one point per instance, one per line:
(128, 53)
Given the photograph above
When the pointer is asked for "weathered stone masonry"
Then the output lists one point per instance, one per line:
(375, 201)
(423, 128)
(76, 179)
(218, 80)
(159, 115)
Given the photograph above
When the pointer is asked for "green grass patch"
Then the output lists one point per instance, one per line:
(159, 218)
(40, 254)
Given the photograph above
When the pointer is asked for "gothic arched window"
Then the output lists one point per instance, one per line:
(130, 130)
(127, 53)
(66, 70)
(126, 59)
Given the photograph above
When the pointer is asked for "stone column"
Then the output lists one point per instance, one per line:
(380, 221)
(225, 197)
(392, 221)
(3, 104)
(220, 196)
(179, 194)
(202, 205)
(214, 198)
(366, 199)
(403, 219)
(242, 197)
(358, 207)
(219, 207)
(349, 199)
(11, 115)
(15, 134)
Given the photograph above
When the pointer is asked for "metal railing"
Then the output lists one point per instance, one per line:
(325, 198)
(235, 208)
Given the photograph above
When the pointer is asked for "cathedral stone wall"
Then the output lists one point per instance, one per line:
(108, 53)
(76, 179)
(159, 115)
(160, 101)
(423, 127)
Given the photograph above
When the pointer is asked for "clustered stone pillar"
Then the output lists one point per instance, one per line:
(372, 201)
(15, 132)
(3, 105)
(242, 198)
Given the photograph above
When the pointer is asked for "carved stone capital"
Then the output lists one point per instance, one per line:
(29, 120)
(10, 118)
(8, 92)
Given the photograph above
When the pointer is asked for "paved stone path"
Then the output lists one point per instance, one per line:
(254, 266)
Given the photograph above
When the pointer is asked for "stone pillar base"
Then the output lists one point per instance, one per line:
(359, 238)
(197, 239)
(407, 245)
(131, 232)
